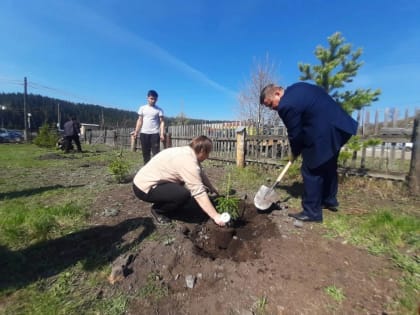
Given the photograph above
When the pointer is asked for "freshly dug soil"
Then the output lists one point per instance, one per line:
(262, 262)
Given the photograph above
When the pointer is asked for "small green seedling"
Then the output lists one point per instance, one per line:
(336, 293)
(260, 306)
(228, 203)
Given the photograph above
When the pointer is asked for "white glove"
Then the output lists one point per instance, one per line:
(222, 219)
(219, 220)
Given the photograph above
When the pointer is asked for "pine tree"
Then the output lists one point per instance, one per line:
(338, 66)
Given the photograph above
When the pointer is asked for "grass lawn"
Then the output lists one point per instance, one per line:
(46, 196)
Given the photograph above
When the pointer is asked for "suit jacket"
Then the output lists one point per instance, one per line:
(71, 128)
(317, 126)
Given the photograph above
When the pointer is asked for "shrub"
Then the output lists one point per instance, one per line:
(119, 168)
(47, 137)
(353, 145)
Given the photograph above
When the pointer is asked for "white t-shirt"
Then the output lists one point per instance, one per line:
(151, 118)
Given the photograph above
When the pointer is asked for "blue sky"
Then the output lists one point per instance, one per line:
(198, 54)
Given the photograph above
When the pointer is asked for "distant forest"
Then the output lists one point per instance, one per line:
(48, 110)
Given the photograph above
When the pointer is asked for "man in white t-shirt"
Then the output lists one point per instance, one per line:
(150, 125)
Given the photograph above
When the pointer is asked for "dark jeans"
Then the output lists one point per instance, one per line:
(149, 142)
(166, 197)
(68, 140)
(320, 187)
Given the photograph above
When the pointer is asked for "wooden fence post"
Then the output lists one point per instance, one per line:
(88, 136)
(133, 143)
(414, 174)
(240, 146)
(168, 140)
(115, 138)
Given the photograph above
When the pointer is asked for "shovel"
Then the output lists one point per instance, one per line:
(266, 196)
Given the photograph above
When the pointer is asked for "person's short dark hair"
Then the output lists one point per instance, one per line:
(268, 89)
(201, 144)
(152, 93)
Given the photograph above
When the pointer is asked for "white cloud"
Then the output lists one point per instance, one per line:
(105, 27)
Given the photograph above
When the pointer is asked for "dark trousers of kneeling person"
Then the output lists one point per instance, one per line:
(149, 142)
(166, 197)
(68, 141)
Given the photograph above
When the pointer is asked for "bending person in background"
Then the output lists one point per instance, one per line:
(151, 126)
(174, 176)
(71, 133)
(317, 128)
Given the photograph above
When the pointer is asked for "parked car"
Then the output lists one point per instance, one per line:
(11, 136)
(409, 146)
(4, 135)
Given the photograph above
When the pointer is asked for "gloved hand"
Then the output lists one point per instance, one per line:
(218, 220)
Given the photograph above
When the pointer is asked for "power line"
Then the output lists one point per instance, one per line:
(35, 85)
(11, 81)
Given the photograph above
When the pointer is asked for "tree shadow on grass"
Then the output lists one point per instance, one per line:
(94, 247)
(30, 192)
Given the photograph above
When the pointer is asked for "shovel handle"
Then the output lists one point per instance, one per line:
(282, 173)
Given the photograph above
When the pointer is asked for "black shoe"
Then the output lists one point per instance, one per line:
(160, 218)
(303, 217)
(331, 208)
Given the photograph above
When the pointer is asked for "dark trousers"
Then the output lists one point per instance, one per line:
(166, 197)
(68, 140)
(149, 142)
(320, 187)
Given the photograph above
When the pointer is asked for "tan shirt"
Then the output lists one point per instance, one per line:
(175, 165)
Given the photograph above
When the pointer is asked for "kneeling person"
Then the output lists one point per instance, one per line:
(174, 176)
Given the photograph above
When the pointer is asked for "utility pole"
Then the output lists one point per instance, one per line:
(3, 108)
(25, 133)
(58, 117)
(414, 174)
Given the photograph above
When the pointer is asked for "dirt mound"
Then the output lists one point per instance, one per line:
(240, 241)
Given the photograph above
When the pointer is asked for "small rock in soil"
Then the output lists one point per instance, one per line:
(298, 223)
(190, 280)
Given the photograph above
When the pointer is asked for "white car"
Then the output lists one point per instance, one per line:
(409, 146)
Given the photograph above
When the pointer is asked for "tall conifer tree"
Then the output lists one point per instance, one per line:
(338, 66)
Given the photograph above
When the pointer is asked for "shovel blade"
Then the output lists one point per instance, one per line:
(265, 197)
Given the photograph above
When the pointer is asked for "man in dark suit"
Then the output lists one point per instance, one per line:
(317, 128)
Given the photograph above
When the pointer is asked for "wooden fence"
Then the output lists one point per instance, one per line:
(391, 158)
(119, 138)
